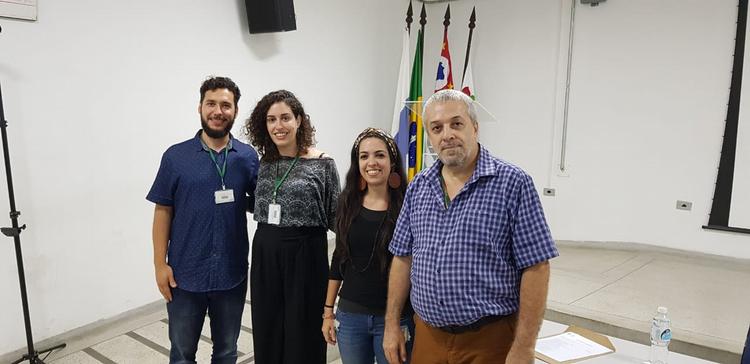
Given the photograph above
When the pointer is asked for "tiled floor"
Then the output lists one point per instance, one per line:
(707, 296)
(614, 288)
(150, 344)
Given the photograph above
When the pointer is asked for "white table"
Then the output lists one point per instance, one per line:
(625, 351)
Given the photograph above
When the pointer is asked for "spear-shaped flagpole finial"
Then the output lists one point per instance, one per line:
(473, 18)
(409, 17)
(423, 18)
(472, 25)
(447, 17)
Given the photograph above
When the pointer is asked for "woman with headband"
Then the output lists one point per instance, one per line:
(365, 218)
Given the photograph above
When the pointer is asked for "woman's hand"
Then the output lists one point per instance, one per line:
(329, 329)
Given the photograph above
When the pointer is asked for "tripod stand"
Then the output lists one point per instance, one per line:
(32, 356)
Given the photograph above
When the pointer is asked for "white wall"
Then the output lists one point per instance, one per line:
(648, 104)
(96, 90)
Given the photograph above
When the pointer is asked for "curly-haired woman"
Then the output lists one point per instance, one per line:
(295, 205)
(365, 219)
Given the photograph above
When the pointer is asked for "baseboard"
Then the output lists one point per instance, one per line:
(640, 247)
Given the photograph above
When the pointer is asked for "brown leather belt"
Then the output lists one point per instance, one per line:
(474, 326)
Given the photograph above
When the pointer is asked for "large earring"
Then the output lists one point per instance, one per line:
(394, 180)
(362, 183)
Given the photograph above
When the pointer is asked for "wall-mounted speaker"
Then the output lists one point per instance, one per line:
(268, 16)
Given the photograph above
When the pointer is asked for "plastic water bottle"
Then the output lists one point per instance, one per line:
(661, 334)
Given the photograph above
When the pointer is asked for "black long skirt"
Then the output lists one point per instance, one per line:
(288, 282)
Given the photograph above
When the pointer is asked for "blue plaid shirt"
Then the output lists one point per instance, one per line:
(208, 242)
(467, 259)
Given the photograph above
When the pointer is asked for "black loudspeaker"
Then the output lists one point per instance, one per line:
(267, 16)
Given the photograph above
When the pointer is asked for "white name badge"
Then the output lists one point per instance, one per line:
(224, 196)
(274, 213)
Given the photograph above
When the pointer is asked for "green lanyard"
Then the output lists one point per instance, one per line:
(223, 170)
(446, 199)
(278, 182)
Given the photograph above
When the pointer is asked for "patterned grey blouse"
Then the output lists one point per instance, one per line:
(308, 196)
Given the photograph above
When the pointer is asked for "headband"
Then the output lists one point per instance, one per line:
(380, 134)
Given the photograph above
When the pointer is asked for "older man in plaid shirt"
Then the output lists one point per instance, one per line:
(473, 238)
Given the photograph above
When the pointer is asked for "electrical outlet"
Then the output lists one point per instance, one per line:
(549, 191)
(684, 205)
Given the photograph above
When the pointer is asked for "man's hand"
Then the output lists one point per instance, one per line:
(160, 232)
(534, 283)
(394, 343)
(520, 355)
(165, 280)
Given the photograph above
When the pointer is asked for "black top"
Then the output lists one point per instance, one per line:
(365, 284)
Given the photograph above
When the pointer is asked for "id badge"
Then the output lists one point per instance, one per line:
(224, 196)
(274, 213)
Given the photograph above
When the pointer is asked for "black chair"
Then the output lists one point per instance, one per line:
(746, 352)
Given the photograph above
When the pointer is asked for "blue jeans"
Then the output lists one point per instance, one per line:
(186, 315)
(360, 337)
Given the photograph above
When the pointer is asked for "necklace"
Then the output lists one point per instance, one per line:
(372, 251)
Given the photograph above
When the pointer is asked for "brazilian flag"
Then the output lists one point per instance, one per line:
(416, 133)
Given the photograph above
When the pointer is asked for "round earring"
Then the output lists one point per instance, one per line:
(362, 183)
(394, 180)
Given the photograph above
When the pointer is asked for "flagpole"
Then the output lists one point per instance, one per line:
(447, 17)
(446, 23)
(422, 18)
(401, 118)
(416, 132)
(409, 18)
(472, 25)
(444, 78)
(420, 127)
(428, 154)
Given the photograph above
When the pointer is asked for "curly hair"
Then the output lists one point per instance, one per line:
(257, 131)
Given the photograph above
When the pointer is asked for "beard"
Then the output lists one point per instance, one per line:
(216, 134)
(454, 157)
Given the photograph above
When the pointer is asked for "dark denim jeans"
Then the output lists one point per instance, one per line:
(360, 337)
(186, 314)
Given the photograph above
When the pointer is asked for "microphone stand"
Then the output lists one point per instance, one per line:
(15, 231)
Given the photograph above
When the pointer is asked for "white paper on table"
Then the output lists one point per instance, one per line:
(569, 346)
